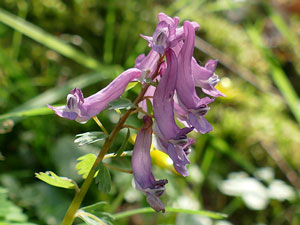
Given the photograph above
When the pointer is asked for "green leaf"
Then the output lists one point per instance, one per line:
(131, 85)
(103, 178)
(97, 210)
(11, 213)
(94, 207)
(52, 179)
(121, 103)
(89, 137)
(31, 112)
(149, 106)
(213, 215)
(91, 219)
(85, 164)
(124, 144)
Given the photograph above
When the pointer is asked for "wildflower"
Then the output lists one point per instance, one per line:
(193, 107)
(82, 109)
(205, 77)
(141, 167)
(171, 139)
(166, 35)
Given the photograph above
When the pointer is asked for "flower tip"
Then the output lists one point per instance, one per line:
(211, 65)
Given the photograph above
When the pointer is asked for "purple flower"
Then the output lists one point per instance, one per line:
(142, 167)
(195, 108)
(171, 139)
(82, 109)
(167, 34)
(205, 77)
(147, 64)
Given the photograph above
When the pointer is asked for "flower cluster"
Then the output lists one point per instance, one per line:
(170, 63)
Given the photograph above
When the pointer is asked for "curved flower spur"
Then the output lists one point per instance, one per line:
(170, 62)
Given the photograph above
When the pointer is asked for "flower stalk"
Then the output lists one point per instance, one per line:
(79, 196)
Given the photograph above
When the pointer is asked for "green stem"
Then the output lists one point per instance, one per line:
(79, 196)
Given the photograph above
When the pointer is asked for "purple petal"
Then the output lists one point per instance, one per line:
(185, 83)
(61, 111)
(163, 99)
(142, 167)
(199, 123)
(205, 78)
(179, 158)
(148, 64)
(82, 110)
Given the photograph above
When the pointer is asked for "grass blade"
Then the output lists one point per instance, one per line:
(210, 214)
(48, 40)
(278, 75)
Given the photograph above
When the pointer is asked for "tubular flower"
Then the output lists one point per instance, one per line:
(82, 109)
(195, 108)
(171, 139)
(147, 64)
(167, 34)
(205, 77)
(142, 167)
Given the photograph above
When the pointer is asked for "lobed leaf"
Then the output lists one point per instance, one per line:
(52, 179)
(85, 164)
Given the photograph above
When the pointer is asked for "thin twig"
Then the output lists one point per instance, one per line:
(100, 125)
(116, 168)
(130, 126)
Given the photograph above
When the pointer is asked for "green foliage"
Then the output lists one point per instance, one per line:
(120, 103)
(94, 214)
(89, 137)
(11, 214)
(54, 180)
(85, 164)
(103, 178)
(171, 210)
(124, 144)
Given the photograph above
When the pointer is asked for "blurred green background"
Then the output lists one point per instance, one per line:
(247, 167)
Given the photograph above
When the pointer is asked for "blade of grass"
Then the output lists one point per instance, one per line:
(109, 32)
(17, 37)
(210, 214)
(48, 40)
(26, 113)
(278, 75)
